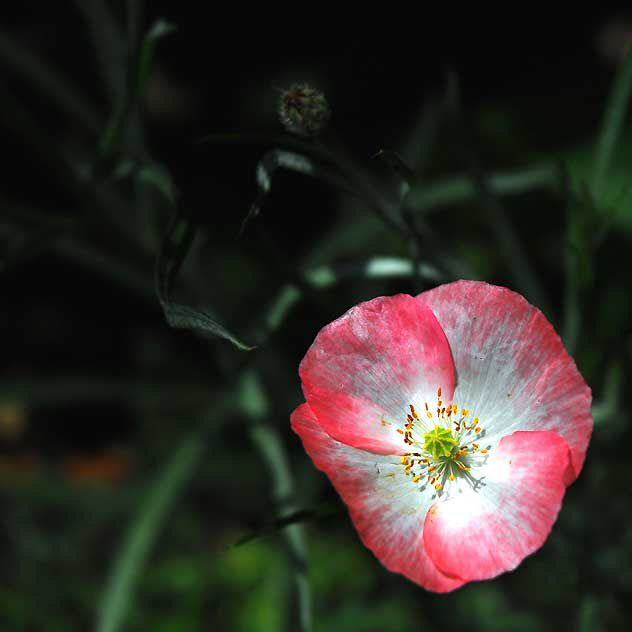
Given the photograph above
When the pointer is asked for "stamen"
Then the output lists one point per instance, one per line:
(444, 452)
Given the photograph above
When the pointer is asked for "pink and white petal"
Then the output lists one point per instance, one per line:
(386, 507)
(364, 370)
(481, 533)
(512, 370)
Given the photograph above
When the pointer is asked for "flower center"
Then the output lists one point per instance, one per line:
(443, 446)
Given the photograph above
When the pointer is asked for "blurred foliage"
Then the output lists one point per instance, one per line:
(148, 476)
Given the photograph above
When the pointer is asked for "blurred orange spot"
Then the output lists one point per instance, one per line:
(107, 468)
(13, 419)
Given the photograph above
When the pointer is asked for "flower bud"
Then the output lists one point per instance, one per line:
(304, 110)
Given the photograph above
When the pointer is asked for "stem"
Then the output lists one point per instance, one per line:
(509, 245)
(612, 124)
(267, 441)
(60, 390)
(460, 188)
(324, 277)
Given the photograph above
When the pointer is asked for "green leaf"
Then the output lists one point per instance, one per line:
(614, 204)
(58, 90)
(395, 162)
(109, 45)
(125, 121)
(428, 196)
(612, 124)
(157, 175)
(144, 530)
(183, 317)
(277, 159)
(160, 29)
(175, 245)
(610, 402)
(334, 164)
(589, 619)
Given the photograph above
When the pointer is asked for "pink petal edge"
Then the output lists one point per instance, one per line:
(365, 368)
(481, 534)
(388, 521)
(511, 366)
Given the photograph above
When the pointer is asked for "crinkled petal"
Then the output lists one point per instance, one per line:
(480, 533)
(511, 367)
(364, 369)
(387, 509)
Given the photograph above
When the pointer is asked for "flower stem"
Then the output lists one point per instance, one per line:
(425, 197)
(268, 443)
(612, 124)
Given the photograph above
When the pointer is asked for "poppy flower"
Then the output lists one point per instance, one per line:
(450, 424)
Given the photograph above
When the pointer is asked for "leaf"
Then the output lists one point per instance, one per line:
(125, 119)
(157, 175)
(398, 166)
(51, 84)
(277, 159)
(109, 45)
(612, 124)
(610, 403)
(154, 510)
(183, 317)
(334, 165)
(160, 29)
(614, 203)
(427, 196)
(175, 245)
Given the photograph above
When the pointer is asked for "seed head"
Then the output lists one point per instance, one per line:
(304, 110)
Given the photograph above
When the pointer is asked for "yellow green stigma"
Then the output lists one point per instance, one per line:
(439, 442)
(448, 450)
